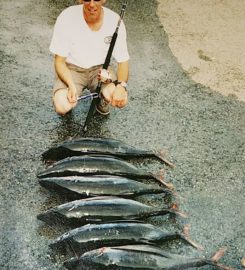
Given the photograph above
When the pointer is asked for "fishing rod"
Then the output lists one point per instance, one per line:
(95, 101)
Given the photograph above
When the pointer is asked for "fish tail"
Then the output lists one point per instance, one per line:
(171, 211)
(185, 236)
(178, 213)
(219, 254)
(160, 156)
(219, 265)
(216, 257)
(191, 242)
(174, 209)
(159, 178)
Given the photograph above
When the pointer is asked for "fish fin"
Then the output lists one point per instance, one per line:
(160, 155)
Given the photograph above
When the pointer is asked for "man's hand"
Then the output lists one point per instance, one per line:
(108, 91)
(104, 76)
(72, 95)
(119, 97)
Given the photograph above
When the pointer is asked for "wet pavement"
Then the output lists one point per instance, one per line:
(202, 132)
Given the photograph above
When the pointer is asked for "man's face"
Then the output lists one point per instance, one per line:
(92, 9)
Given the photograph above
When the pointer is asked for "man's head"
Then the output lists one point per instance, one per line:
(92, 9)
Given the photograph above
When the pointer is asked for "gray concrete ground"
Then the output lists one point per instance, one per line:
(202, 132)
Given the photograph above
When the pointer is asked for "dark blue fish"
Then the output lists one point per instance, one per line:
(139, 257)
(93, 236)
(101, 209)
(97, 165)
(99, 185)
(105, 146)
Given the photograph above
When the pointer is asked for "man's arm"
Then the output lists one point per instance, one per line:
(123, 71)
(117, 95)
(120, 94)
(65, 75)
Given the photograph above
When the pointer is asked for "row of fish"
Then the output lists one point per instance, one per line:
(113, 234)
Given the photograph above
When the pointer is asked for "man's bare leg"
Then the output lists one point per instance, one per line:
(61, 103)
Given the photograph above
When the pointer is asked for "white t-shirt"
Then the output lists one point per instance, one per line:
(73, 39)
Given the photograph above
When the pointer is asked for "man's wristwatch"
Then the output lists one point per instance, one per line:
(122, 83)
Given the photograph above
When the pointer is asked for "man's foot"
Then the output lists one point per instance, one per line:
(103, 107)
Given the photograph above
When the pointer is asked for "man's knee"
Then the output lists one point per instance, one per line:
(61, 104)
(61, 110)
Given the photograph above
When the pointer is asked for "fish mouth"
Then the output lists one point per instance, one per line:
(56, 153)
